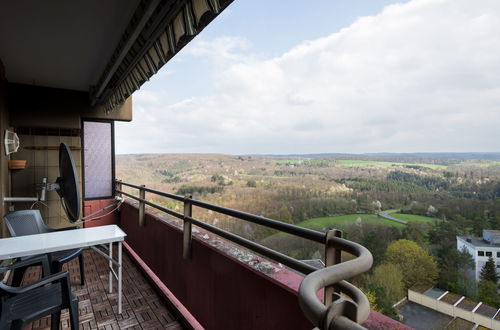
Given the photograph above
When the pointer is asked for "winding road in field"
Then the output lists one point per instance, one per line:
(386, 215)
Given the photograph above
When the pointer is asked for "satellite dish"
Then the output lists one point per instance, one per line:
(67, 188)
(68, 184)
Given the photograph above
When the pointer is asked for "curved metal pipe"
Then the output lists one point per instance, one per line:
(313, 308)
(307, 233)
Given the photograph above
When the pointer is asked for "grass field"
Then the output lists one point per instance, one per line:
(355, 162)
(412, 217)
(342, 221)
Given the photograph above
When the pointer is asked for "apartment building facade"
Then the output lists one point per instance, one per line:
(481, 249)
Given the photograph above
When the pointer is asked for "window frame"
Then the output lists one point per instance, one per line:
(113, 177)
(480, 253)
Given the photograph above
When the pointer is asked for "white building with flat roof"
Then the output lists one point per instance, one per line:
(481, 248)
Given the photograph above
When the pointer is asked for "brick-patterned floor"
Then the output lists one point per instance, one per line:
(143, 308)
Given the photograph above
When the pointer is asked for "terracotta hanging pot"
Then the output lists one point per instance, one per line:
(17, 164)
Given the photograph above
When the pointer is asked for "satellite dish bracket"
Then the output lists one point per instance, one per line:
(52, 186)
(42, 190)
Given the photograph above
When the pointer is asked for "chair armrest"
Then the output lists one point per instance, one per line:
(63, 229)
(37, 284)
(41, 258)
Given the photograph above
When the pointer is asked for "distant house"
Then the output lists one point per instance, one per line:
(481, 248)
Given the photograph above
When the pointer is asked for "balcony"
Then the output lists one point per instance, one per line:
(182, 273)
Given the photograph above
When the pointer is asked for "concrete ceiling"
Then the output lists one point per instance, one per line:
(60, 43)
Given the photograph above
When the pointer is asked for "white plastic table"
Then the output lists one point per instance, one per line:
(21, 246)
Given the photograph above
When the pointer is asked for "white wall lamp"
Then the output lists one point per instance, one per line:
(11, 142)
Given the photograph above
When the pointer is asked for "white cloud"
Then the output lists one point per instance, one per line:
(420, 76)
(227, 48)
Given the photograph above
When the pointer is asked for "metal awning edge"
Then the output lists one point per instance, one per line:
(157, 31)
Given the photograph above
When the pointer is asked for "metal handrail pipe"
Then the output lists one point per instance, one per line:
(358, 297)
(353, 292)
(154, 191)
(265, 251)
(279, 257)
(156, 206)
(309, 234)
(312, 307)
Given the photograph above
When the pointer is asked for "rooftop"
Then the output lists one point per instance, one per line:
(493, 231)
(420, 317)
(478, 241)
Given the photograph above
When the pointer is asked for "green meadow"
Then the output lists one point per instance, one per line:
(343, 221)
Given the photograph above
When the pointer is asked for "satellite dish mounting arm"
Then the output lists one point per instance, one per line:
(42, 192)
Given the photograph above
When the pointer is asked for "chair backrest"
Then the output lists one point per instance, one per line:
(25, 222)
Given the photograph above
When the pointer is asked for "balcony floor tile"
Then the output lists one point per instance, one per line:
(143, 308)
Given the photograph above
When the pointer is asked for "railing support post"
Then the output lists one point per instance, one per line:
(332, 257)
(142, 206)
(118, 187)
(188, 212)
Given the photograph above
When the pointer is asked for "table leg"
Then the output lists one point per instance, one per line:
(119, 277)
(110, 268)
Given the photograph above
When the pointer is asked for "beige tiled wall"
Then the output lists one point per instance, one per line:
(43, 164)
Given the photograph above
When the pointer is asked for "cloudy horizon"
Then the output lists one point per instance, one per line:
(418, 76)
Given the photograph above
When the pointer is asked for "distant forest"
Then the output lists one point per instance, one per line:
(387, 156)
(441, 196)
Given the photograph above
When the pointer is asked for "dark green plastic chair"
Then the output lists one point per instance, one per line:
(30, 222)
(48, 296)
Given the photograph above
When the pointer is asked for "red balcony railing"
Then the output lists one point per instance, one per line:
(335, 311)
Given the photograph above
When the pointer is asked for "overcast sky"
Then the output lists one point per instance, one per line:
(273, 76)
